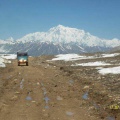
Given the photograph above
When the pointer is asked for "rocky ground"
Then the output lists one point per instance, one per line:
(55, 90)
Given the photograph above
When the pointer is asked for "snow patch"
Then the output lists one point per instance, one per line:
(113, 70)
(67, 57)
(9, 56)
(4, 58)
(98, 63)
(110, 55)
(1, 62)
(71, 57)
(98, 68)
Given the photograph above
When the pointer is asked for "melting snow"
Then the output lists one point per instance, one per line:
(4, 59)
(98, 68)
(2, 62)
(2, 65)
(69, 57)
(9, 56)
(110, 55)
(99, 63)
(113, 70)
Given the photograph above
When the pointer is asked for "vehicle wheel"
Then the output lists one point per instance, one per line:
(26, 63)
(18, 64)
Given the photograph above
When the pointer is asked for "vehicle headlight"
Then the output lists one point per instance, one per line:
(20, 60)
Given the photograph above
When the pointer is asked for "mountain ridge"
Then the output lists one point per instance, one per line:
(66, 35)
(58, 40)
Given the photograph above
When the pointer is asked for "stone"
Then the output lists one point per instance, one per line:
(17, 92)
(59, 98)
(14, 98)
(86, 87)
(38, 83)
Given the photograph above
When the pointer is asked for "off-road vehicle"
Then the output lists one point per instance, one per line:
(22, 58)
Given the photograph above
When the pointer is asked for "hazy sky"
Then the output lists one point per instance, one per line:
(20, 17)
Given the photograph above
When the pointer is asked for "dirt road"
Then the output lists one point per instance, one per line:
(41, 92)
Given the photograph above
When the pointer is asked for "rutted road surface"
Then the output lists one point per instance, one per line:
(41, 92)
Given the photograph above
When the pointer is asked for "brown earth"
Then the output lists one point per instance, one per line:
(52, 91)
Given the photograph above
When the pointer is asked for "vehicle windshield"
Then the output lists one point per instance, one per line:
(22, 54)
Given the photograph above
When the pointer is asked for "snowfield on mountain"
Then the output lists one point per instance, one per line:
(58, 40)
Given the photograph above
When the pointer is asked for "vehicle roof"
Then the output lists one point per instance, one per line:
(22, 53)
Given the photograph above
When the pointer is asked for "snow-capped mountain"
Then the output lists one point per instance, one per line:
(7, 41)
(10, 40)
(3, 41)
(57, 40)
(63, 34)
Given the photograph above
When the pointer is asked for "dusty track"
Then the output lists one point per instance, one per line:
(41, 93)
